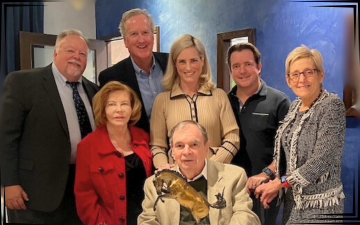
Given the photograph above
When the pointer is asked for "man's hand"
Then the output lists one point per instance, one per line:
(14, 197)
(268, 192)
(255, 181)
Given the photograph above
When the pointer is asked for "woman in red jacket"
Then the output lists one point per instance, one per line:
(113, 161)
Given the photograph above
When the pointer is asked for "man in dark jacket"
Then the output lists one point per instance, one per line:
(45, 113)
(143, 69)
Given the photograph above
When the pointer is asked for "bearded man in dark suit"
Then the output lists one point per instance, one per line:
(143, 69)
(40, 128)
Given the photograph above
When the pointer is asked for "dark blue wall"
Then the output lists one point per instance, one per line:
(280, 27)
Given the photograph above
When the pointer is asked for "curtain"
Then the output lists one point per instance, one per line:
(15, 17)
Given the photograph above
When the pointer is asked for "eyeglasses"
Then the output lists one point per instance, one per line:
(296, 75)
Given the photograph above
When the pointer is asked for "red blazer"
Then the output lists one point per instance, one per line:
(100, 182)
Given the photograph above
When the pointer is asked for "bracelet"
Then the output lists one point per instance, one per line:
(269, 173)
(284, 182)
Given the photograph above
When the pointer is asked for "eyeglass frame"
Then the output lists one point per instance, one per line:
(303, 73)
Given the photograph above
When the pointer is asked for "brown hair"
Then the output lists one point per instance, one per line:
(183, 124)
(241, 46)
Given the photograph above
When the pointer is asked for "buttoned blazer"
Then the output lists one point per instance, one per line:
(220, 176)
(35, 143)
(124, 72)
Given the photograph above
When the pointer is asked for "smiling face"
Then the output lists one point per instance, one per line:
(70, 57)
(305, 88)
(189, 66)
(244, 70)
(189, 150)
(118, 109)
(139, 39)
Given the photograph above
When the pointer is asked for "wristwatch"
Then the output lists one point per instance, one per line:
(269, 173)
(284, 182)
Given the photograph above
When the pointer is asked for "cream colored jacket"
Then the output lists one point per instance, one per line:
(238, 203)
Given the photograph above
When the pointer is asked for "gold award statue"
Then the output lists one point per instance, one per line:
(171, 184)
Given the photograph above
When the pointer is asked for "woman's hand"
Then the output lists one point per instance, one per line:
(255, 181)
(268, 191)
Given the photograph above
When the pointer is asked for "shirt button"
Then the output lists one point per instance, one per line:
(135, 145)
(101, 169)
(121, 175)
(118, 154)
(122, 197)
(122, 219)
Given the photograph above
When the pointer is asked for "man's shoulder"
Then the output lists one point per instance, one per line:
(32, 72)
(273, 92)
(90, 84)
(161, 54)
(28, 76)
(228, 169)
(118, 66)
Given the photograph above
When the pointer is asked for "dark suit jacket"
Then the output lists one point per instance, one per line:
(124, 72)
(35, 143)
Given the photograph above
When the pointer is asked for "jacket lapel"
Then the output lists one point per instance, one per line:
(53, 93)
(215, 186)
(162, 60)
(173, 210)
(87, 87)
(132, 82)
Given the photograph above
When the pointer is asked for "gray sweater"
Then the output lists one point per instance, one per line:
(315, 152)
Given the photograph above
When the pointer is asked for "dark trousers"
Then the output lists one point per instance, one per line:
(266, 216)
(64, 214)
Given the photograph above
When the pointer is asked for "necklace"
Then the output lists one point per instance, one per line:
(317, 98)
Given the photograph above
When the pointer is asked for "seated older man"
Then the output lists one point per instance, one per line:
(189, 144)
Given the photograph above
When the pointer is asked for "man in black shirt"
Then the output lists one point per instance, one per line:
(258, 109)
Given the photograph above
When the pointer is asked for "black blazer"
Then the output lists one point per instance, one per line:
(124, 72)
(35, 144)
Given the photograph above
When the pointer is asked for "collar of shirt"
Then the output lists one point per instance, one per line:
(262, 90)
(59, 77)
(176, 91)
(203, 173)
(139, 71)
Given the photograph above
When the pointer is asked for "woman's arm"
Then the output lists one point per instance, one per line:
(86, 198)
(229, 131)
(158, 132)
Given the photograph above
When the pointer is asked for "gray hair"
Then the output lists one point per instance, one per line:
(134, 12)
(183, 124)
(65, 33)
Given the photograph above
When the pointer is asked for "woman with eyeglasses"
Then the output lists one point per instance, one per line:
(308, 147)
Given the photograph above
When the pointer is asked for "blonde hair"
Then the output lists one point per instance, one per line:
(134, 12)
(304, 52)
(171, 76)
(101, 98)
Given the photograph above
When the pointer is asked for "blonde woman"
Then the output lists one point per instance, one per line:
(190, 95)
